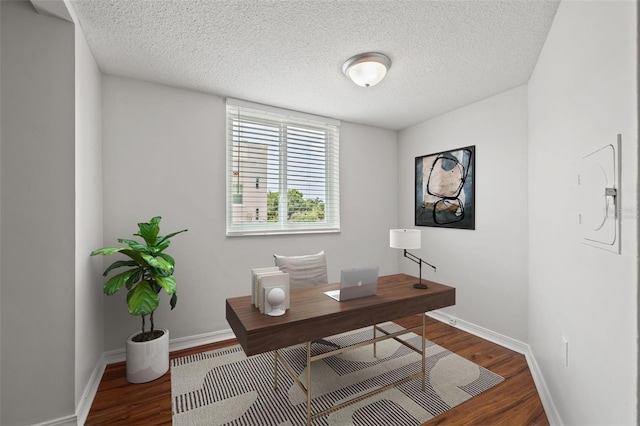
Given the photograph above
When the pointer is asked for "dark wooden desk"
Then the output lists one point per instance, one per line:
(314, 315)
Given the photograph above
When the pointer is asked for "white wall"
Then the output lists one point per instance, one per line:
(89, 338)
(582, 94)
(488, 265)
(38, 227)
(164, 154)
(0, 211)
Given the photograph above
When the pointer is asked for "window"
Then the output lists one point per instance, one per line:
(282, 171)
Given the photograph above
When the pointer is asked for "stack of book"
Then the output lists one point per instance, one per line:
(265, 279)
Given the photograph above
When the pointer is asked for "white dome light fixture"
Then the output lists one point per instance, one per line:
(367, 69)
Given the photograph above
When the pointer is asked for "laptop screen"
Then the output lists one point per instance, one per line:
(356, 283)
(358, 277)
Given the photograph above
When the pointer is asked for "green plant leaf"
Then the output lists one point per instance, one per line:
(135, 245)
(168, 258)
(142, 299)
(133, 254)
(129, 242)
(155, 272)
(174, 300)
(119, 264)
(161, 246)
(168, 283)
(106, 251)
(149, 230)
(134, 278)
(155, 286)
(157, 262)
(173, 234)
(116, 282)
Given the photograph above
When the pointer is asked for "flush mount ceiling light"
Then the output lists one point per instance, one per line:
(366, 69)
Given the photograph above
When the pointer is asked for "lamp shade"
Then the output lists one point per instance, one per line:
(405, 238)
(367, 69)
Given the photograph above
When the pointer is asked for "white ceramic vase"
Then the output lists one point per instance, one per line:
(147, 361)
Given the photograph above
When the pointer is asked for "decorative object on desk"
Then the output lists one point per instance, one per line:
(269, 282)
(200, 392)
(445, 189)
(274, 303)
(266, 278)
(261, 277)
(409, 239)
(255, 274)
(151, 270)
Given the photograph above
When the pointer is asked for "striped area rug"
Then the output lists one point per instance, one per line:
(224, 387)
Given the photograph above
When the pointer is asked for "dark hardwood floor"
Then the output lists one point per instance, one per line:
(513, 402)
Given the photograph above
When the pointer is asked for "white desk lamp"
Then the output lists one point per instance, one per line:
(409, 239)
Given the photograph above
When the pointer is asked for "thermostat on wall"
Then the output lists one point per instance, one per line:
(599, 197)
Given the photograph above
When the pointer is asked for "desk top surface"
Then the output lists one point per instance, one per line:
(314, 315)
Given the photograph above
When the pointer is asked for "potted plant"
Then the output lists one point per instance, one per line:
(150, 270)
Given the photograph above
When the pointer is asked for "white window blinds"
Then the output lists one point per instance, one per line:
(282, 171)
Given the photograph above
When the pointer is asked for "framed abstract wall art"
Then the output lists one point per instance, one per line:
(445, 189)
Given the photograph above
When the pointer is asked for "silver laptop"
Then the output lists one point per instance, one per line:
(356, 283)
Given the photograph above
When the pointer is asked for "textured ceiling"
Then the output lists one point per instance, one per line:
(289, 54)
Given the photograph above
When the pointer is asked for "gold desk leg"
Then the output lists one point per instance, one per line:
(424, 365)
(308, 383)
(374, 343)
(275, 369)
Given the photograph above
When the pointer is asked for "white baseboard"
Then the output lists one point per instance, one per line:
(112, 357)
(549, 407)
(200, 339)
(492, 336)
(514, 345)
(62, 421)
(89, 394)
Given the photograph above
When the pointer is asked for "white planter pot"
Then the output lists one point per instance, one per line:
(147, 361)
